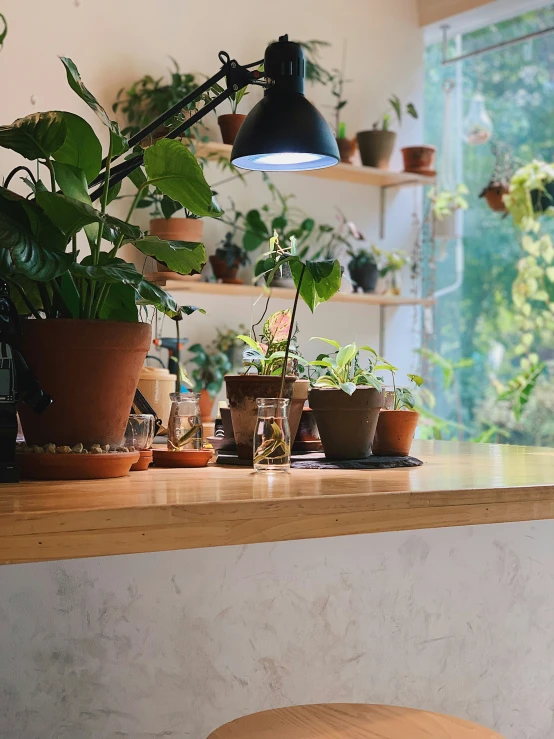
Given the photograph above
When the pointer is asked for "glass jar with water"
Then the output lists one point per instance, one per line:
(272, 436)
(184, 429)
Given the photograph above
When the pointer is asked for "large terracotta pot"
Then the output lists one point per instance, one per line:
(299, 397)
(229, 125)
(91, 370)
(395, 433)
(242, 392)
(346, 423)
(376, 147)
(176, 229)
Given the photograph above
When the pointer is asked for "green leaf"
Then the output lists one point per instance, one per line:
(113, 192)
(321, 280)
(81, 147)
(348, 387)
(37, 136)
(346, 354)
(322, 363)
(28, 213)
(250, 342)
(256, 224)
(410, 109)
(72, 181)
(327, 341)
(70, 215)
(417, 379)
(252, 241)
(118, 141)
(183, 257)
(175, 171)
(138, 176)
(120, 304)
(4, 31)
(70, 294)
(395, 104)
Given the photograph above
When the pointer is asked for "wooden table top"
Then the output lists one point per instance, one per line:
(459, 484)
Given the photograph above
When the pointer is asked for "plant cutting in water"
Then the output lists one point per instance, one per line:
(184, 439)
(274, 446)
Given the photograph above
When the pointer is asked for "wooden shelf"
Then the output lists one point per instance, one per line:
(340, 172)
(181, 284)
(459, 484)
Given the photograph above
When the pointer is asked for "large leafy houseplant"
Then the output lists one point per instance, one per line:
(52, 274)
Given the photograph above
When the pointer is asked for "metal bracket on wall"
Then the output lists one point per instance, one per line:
(382, 328)
(383, 202)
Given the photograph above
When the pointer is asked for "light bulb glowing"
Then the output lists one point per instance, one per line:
(287, 161)
(286, 158)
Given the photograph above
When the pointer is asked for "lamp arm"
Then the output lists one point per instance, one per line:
(237, 77)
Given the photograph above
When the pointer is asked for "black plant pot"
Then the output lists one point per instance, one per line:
(364, 276)
(543, 199)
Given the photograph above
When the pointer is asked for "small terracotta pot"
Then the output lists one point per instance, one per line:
(346, 423)
(242, 392)
(376, 147)
(347, 149)
(144, 462)
(229, 125)
(91, 369)
(222, 271)
(299, 397)
(176, 229)
(307, 429)
(395, 433)
(417, 158)
(206, 406)
(494, 195)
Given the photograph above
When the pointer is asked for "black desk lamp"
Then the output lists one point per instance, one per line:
(282, 132)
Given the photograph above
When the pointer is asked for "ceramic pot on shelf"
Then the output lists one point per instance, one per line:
(347, 149)
(419, 159)
(177, 229)
(494, 195)
(224, 271)
(376, 147)
(91, 369)
(365, 276)
(242, 393)
(346, 423)
(229, 125)
(206, 406)
(395, 433)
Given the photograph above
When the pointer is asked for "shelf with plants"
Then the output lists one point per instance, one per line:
(176, 284)
(341, 172)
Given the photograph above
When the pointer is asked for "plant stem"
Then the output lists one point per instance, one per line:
(74, 247)
(134, 204)
(52, 174)
(57, 290)
(103, 205)
(25, 299)
(291, 330)
(102, 295)
(46, 304)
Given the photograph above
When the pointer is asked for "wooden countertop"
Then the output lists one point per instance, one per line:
(459, 484)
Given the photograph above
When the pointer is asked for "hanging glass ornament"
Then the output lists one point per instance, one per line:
(477, 124)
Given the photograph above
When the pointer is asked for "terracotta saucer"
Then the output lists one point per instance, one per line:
(423, 171)
(145, 460)
(311, 445)
(185, 458)
(75, 466)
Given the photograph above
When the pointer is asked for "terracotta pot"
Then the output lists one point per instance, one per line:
(222, 271)
(91, 369)
(299, 397)
(227, 423)
(307, 429)
(76, 466)
(494, 194)
(206, 406)
(395, 433)
(144, 462)
(347, 149)
(376, 147)
(242, 392)
(176, 229)
(229, 125)
(346, 423)
(417, 158)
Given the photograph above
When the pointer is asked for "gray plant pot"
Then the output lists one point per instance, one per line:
(376, 147)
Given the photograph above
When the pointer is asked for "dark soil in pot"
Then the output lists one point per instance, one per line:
(346, 423)
(242, 392)
(229, 125)
(395, 433)
(91, 369)
(365, 276)
(376, 147)
(224, 271)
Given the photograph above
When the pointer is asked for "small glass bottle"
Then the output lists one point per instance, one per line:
(184, 429)
(272, 436)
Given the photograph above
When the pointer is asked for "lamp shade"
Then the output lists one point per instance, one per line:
(284, 131)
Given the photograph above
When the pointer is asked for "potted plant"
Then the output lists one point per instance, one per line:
(347, 147)
(444, 204)
(499, 183)
(531, 193)
(230, 123)
(346, 400)
(364, 268)
(226, 341)
(227, 259)
(376, 146)
(419, 159)
(397, 424)
(208, 375)
(390, 271)
(81, 334)
(316, 282)
(148, 98)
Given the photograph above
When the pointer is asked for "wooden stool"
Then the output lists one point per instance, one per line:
(351, 721)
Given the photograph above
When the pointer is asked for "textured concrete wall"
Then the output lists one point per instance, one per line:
(177, 643)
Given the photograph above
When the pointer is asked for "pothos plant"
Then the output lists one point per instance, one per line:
(343, 370)
(446, 202)
(40, 252)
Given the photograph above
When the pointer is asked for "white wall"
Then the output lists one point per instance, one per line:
(115, 43)
(177, 643)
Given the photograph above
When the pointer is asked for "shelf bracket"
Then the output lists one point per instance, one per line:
(381, 340)
(382, 211)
